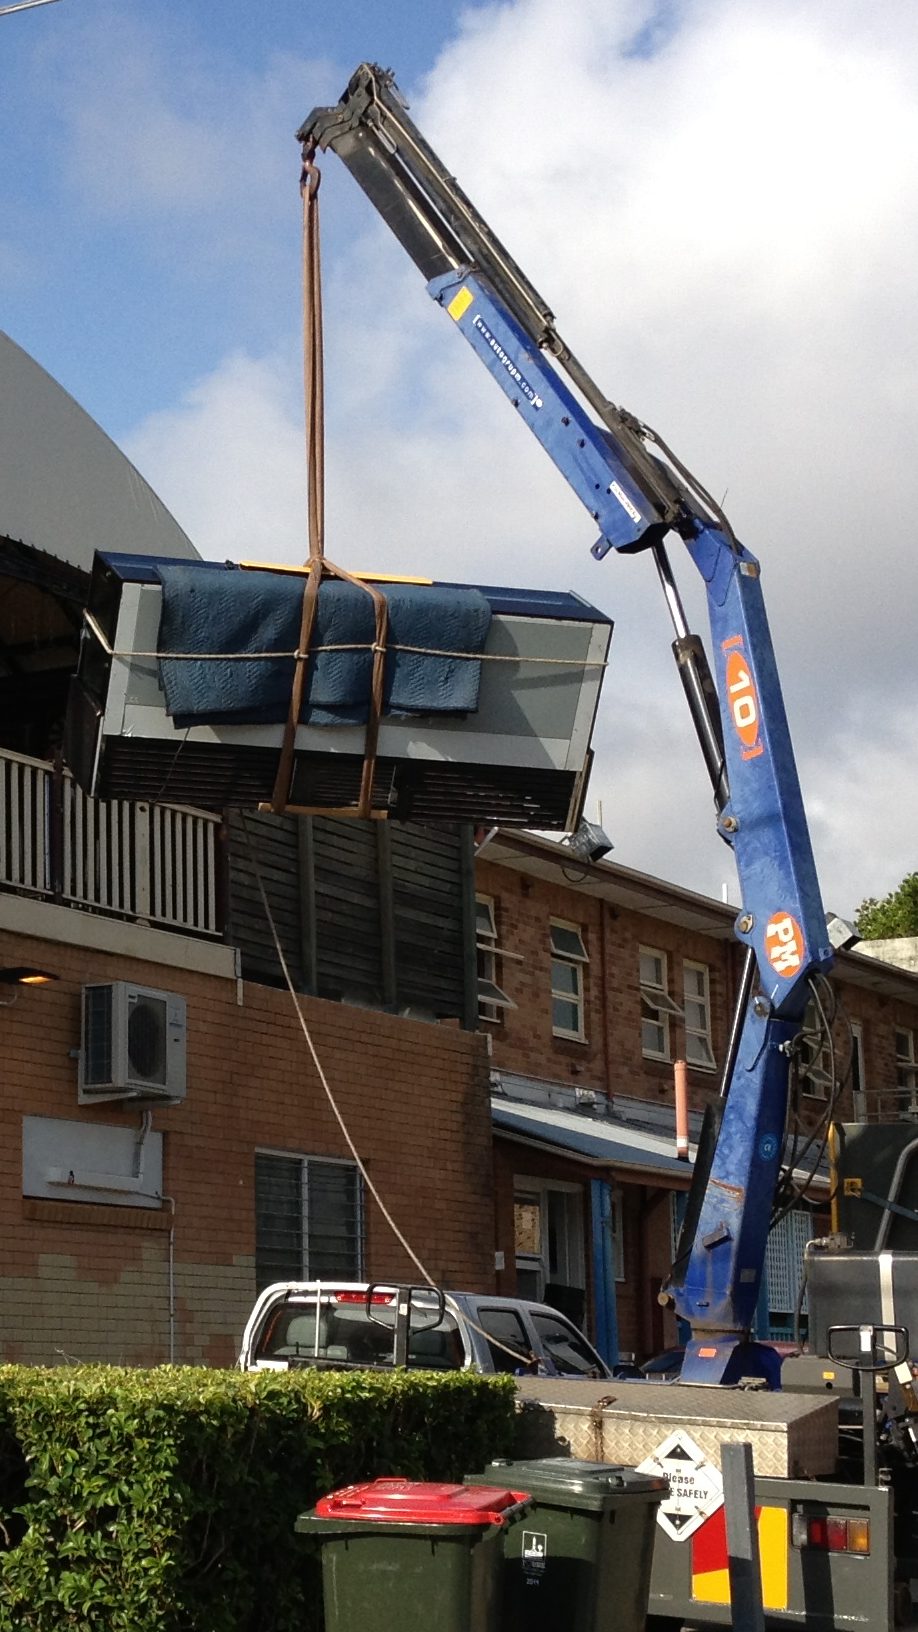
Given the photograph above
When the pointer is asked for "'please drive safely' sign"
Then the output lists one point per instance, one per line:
(695, 1485)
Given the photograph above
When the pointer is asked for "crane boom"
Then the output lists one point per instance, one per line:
(636, 492)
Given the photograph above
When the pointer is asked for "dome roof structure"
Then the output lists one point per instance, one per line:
(65, 488)
(66, 491)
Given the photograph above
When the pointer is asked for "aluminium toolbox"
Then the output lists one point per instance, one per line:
(403, 1556)
(793, 1436)
(583, 1556)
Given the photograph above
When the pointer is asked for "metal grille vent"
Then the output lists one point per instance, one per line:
(97, 1035)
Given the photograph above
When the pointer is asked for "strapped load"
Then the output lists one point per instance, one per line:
(206, 684)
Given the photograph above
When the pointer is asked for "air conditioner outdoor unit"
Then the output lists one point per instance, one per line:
(132, 1044)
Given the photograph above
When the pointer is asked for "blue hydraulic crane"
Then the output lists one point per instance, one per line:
(637, 492)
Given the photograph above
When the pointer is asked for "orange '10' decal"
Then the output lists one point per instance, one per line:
(742, 698)
(784, 944)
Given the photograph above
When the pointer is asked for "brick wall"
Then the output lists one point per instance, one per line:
(610, 1059)
(91, 1282)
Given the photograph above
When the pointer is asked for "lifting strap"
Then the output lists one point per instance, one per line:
(318, 564)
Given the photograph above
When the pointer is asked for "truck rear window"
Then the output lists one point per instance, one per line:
(329, 1332)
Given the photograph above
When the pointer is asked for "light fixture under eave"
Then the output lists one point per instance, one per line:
(842, 935)
(589, 843)
(22, 974)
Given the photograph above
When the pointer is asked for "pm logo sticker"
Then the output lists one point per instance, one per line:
(784, 944)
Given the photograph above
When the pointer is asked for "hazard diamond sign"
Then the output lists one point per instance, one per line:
(695, 1485)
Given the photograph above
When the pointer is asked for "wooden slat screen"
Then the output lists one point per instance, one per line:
(368, 913)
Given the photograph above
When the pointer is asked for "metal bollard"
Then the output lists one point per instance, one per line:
(742, 1538)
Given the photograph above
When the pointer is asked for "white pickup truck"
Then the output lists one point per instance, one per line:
(347, 1324)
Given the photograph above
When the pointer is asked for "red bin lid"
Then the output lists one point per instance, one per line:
(409, 1501)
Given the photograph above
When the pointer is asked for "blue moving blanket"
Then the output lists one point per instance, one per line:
(235, 610)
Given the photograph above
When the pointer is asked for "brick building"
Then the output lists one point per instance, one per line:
(136, 1232)
(163, 1155)
(138, 1222)
(595, 980)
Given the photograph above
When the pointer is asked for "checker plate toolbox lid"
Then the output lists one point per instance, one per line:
(792, 1435)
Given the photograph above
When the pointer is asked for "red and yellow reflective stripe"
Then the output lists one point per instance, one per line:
(710, 1571)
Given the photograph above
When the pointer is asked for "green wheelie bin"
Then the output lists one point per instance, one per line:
(404, 1556)
(582, 1557)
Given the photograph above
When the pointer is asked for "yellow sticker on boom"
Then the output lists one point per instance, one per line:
(460, 303)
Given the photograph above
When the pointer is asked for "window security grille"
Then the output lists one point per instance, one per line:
(308, 1219)
(784, 1261)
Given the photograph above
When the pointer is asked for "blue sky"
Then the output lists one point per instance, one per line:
(145, 145)
(719, 199)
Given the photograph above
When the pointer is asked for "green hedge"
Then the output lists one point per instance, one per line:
(164, 1501)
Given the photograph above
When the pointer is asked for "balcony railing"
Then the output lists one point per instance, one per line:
(156, 864)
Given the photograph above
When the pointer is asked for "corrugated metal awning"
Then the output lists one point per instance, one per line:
(594, 1140)
(603, 1142)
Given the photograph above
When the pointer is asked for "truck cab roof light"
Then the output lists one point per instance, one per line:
(361, 1297)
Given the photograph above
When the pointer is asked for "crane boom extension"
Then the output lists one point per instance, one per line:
(636, 492)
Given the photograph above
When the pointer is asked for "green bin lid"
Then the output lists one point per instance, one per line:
(409, 1501)
(567, 1476)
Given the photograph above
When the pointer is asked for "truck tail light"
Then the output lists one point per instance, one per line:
(830, 1533)
(837, 1532)
(859, 1535)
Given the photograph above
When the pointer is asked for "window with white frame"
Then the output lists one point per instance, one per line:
(656, 1004)
(308, 1218)
(815, 1055)
(568, 957)
(696, 988)
(492, 999)
(907, 1071)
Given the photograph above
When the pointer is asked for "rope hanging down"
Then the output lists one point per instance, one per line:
(319, 566)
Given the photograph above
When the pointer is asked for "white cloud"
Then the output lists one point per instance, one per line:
(727, 228)
(228, 461)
